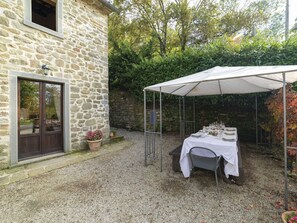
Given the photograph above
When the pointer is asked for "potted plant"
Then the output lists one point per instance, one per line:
(289, 217)
(94, 139)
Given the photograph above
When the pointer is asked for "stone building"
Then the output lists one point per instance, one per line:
(53, 76)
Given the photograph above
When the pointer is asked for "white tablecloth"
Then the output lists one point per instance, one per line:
(226, 149)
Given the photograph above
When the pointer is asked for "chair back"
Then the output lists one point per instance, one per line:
(204, 158)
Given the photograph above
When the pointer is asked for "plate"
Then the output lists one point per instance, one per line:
(230, 129)
(198, 134)
(228, 138)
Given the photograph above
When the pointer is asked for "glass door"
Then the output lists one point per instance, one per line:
(52, 139)
(40, 123)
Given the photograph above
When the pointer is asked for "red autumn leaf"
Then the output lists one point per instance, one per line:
(275, 107)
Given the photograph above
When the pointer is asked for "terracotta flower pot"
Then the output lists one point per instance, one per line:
(285, 214)
(94, 145)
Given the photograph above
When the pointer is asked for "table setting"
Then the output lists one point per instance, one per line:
(217, 137)
(218, 131)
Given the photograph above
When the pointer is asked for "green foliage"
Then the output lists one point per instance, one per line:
(294, 28)
(121, 61)
(174, 25)
(194, 38)
(29, 95)
(131, 72)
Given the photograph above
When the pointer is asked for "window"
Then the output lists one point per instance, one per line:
(44, 15)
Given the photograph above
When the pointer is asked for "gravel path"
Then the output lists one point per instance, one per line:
(118, 188)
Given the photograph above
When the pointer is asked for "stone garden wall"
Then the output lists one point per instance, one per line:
(81, 57)
(127, 112)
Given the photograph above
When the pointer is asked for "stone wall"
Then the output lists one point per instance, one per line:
(127, 112)
(81, 57)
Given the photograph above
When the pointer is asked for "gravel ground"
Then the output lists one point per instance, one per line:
(116, 187)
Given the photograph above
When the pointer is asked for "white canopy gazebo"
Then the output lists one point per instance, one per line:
(219, 81)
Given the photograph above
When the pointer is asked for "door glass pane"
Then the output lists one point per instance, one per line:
(29, 107)
(53, 107)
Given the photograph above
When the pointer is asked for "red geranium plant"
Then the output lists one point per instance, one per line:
(290, 216)
(94, 135)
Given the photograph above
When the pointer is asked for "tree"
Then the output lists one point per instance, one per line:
(270, 17)
(205, 22)
(156, 14)
(276, 26)
(120, 62)
(294, 27)
(229, 17)
(164, 26)
(29, 96)
(183, 15)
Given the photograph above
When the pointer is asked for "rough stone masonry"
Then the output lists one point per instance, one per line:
(81, 57)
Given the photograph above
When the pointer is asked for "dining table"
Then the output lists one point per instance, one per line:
(222, 141)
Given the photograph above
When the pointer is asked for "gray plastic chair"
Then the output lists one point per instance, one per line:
(205, 158)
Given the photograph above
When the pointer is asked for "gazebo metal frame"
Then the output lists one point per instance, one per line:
(218, 75)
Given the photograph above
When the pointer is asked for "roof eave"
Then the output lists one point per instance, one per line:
(109, 6)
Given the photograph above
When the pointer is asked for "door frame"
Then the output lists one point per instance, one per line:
(42, 137)
(13, 109)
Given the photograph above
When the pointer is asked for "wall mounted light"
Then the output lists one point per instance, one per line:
(45, 69)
